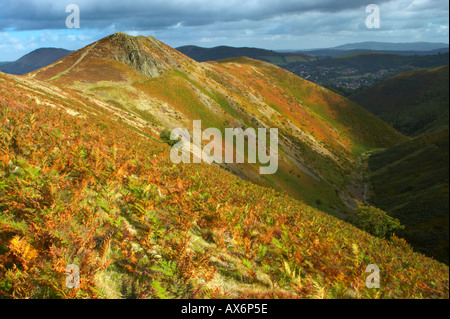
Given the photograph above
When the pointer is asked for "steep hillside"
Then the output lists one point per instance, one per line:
(321, 134)
(414, 102)
(410, 182)
(86, 183)
(33, 61)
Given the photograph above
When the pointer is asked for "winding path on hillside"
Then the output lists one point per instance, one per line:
(76, 63)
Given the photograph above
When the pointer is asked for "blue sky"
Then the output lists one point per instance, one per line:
(26, 25)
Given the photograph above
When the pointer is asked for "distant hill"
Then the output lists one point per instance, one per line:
(386, 46)
(413, 102)
(414, 48)
(224, 52)
(336, 52)
(33, 61)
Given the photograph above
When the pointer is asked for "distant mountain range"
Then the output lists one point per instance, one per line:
(33, 61)
(382, 46)
(201, 54)
(413, 48)
(335, 52)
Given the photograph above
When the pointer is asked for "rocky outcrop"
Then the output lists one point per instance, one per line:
(130, 51)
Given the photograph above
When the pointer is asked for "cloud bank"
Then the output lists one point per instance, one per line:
(272, 24)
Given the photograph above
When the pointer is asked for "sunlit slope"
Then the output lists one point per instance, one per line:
(84, 183)
(339, 124)
(321, 133)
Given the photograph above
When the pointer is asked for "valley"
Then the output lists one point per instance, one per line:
(410, 180)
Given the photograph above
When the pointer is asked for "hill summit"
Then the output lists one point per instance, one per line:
(146, 55)
(34, 60)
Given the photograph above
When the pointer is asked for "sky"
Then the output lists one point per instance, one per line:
(26, 25)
